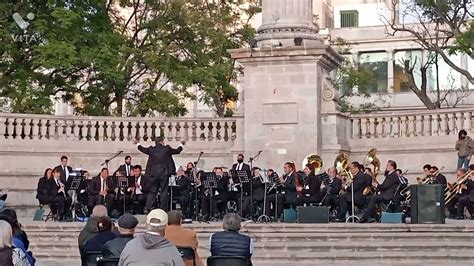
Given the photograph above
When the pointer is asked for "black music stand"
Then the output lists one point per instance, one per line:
(124, 182)
(210, 182)
(75, 186)
(172, 184)
(264, 218)
(242, 177)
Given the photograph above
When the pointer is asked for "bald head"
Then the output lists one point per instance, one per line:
(99, 211)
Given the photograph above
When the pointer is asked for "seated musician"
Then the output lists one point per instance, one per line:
(385, 191)
(403, 180)
(82, 195)
(197, 193)
(182, 191)
(43, 188)
(275, 202)
(359, 183)
(101, 190)
(60, 199)
(139, 190)
(331, 188)
(426, 169)
(258, 190)
(219, 195)
(467, 198)
(310, 191)
(451, 205)
(437, 177)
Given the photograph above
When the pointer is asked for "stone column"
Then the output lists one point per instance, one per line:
(390, 71)
(284, 20)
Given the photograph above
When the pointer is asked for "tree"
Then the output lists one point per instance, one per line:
(101, 54)
(442, 28)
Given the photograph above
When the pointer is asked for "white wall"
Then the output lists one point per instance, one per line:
(369, 14)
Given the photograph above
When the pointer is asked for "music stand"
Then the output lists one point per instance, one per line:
(264, 218)
(124, 183)
(242, 177)
(75, 185)
(210, 182)
(172, 184)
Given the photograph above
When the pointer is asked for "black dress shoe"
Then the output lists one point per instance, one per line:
(460, 218)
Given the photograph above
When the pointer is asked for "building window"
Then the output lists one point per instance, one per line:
(400, 76)
(470, 67)
(448, 78)
(349, 18)
(377, 64)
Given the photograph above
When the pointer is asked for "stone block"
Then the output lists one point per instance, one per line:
(282, 134)
(280, 113)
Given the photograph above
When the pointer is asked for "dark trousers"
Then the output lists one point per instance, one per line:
(373, 201)
(139, 203)
(161, 184)
(451, 206)
(308, 199)
(331, 201)
(59, 205)
(184, 203)
(274, 203)
(206, 203)
(164, 190)
(108, 201)
(345, 204)
(246, 205)
(465, 201)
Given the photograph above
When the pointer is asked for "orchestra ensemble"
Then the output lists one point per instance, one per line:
(251, 192)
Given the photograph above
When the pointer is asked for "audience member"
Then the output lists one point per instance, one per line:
(90, 230)
(126, 227)
(151, 248)
(16, 241)
(105, 234)
(230, 242)
(181, 237)
(9, 254)
(16, 227)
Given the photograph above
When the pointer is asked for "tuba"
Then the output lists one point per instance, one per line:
(341, 163)
(371, 158)
(314, 160)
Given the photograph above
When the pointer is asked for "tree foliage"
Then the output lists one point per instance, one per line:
(127, 57)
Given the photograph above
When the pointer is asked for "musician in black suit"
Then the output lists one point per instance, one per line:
(358, 185)
(437, 176)
(182, 190)
(60, 200)
(331, 188)
(43, 188)
(240, 165)
(127, 167)
(386, 190)
(311, 188)
(451, 205)
(65, 171)
(219, 195)
(289, 187)
(467, 200)
(138, 190)
(102, 190)
(160, 166)
(257, 189)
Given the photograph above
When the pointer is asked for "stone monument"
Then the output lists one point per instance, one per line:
(285, 79)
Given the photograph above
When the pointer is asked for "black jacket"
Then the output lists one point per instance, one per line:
(245, 167)
(53, 189)
(114, 247)
(470, 189)
(314, 184)
(334, 186)
(94, 186)
(389, 186)
(123, 169)
(258, 189)
(359, 183)
(67, 183)
(290, 189)
(42, 191)
(441, 179)
(160, 160)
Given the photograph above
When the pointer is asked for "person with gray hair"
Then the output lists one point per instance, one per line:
(151, 248)
(9, 254)
(230, 242)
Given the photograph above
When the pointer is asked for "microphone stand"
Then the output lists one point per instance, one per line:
(106, 162)
(196, 215)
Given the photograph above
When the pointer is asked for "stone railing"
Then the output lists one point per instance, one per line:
(420, 123)
(114, 129)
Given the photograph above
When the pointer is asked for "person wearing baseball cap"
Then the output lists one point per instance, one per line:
(151, 248)
(126, 226)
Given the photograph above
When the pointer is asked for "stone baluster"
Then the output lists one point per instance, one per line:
(419, 125)
(42, 128)
(108, 130)
(55, 129)
(82, 130)
(130, 129)
(202, 135)
(186, 131)
(27, 128)
(411, 126)
(177, 128)
(426, 125)
(468, 122)
(162, 130)
(62, 129)
(3, 127)
(218, 131)
(34, 129)
(363, 127)
(138, 130)
(154, 131)
(169, 135)
(451, 123)
(372, 128)
(113, 130)
(226, 131)
(436, 125)
(234, 130)
(145, 131)
(75, 129)
(210, 136)
(88, 130)
(193, 131)
(443, 124)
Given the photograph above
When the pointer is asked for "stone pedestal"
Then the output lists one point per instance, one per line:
(283, 92)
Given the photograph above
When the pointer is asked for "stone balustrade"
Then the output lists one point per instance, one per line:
(114, 129)
(411, 124)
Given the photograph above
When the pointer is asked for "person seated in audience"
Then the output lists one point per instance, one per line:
(230, 242)
(9, 254)
(90, 230)
(181, 237)
(126, 227)
(17, 242)
(18, 231)
(151, 248)
(43, 188)
(105, 234)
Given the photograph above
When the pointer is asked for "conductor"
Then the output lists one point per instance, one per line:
(160, 166)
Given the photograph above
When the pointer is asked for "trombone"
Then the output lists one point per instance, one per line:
(453, 189)
(422, 180)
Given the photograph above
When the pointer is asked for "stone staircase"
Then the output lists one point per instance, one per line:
(302, 244)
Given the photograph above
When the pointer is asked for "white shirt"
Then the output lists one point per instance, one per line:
(66, 171)
(127, 169)
(102, 184)
(138, 190)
